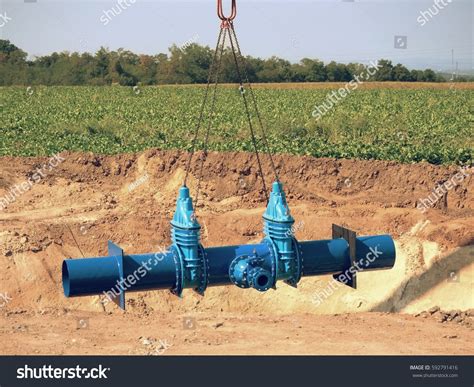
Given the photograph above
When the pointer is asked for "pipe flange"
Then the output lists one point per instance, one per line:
(246, 271)
(293, 281)
(178, 261)
(273, 255)
(204, 276)
(260, 278)
(241, 259)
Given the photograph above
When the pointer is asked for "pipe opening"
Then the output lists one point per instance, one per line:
(262, 280)
(66, 282)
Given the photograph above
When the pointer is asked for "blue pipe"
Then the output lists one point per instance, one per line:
(373, 253)
(186, 264)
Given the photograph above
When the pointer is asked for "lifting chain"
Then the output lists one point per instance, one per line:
(227, 28)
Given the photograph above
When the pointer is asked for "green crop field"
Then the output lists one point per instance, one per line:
(408, 125)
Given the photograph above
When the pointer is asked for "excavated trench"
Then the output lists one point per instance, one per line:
(88, 199)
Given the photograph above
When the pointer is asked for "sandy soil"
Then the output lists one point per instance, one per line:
(129, 199)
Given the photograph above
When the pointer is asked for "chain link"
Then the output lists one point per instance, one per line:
(211, 115)
(214, 71)
(254, 99)
(203, 105)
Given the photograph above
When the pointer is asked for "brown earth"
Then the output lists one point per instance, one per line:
(129, 199)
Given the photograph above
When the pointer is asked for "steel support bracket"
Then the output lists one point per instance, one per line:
(350, 236)
(116, 252)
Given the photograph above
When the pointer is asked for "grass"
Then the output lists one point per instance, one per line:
(408, 123)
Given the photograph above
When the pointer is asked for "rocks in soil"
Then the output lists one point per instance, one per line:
(36, 248)
(434, 309)
(153, 346)
(108, 202)
(455, 316)
(147, 341)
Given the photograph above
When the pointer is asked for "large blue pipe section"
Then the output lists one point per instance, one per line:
(187, 264)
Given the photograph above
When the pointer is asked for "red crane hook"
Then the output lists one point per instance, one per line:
(220, 12)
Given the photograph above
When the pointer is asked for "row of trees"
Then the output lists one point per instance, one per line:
(188, 64)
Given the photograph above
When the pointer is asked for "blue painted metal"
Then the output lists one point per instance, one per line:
(185, 235)
(186, 264)
(116, 252)
(247, 271)
(278, 230)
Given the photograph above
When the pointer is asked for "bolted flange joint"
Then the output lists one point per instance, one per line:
(249, 271)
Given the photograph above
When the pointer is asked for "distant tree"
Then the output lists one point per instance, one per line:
(355, 69)
(337, 72)
(309, 70)
(227, 67)
(189, 65)
(252, 67)
(417, 75)
(429, 76)
(127, 57)
(162, 68)
(125, 78)
(385, 71)
(186, 64)
(100, 70)
(147, 69)
(275, 70)
(11, 53)
(13, 65)
(401, 73)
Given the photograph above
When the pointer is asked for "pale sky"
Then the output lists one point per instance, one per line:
(341, 30)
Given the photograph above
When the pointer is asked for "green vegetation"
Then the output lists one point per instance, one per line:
(182, 65)
(375, 123)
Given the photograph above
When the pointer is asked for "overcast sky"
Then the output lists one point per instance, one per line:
(341, 30)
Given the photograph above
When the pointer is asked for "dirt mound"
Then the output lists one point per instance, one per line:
(75, 207)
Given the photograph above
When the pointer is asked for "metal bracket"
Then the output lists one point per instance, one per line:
(350, 236)
(116, 252)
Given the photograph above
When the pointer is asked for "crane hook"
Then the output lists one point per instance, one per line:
(220, 12)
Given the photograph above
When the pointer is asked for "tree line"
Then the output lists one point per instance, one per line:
(181, 65)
